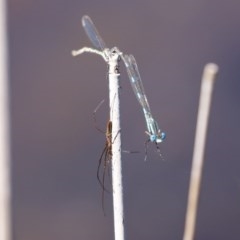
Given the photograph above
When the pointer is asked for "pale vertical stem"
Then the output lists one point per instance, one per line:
(114, 77)
(209, 75)
(5, 189)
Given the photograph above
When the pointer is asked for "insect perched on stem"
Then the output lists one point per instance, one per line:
(155, 134)
(153, 131)
(106, 155)
(105, 159)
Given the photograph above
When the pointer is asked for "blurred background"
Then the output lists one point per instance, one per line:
(55, 147)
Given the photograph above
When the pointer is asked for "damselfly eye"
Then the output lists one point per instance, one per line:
(153, 138)
(163, 135)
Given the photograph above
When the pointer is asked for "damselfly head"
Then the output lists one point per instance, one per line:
(161, 136)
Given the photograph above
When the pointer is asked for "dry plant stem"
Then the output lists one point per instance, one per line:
(209, 75)
(5, 187)
(88, 50)
(114, 102)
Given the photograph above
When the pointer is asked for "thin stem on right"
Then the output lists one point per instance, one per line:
(208, 79)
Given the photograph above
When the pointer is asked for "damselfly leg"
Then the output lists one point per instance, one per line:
(146, 149)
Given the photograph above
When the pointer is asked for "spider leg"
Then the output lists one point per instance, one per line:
(106, 162)
(116, 136)
(129, 151)
(95, 118)
(103, 178)
(99, 165)
(109, 164)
